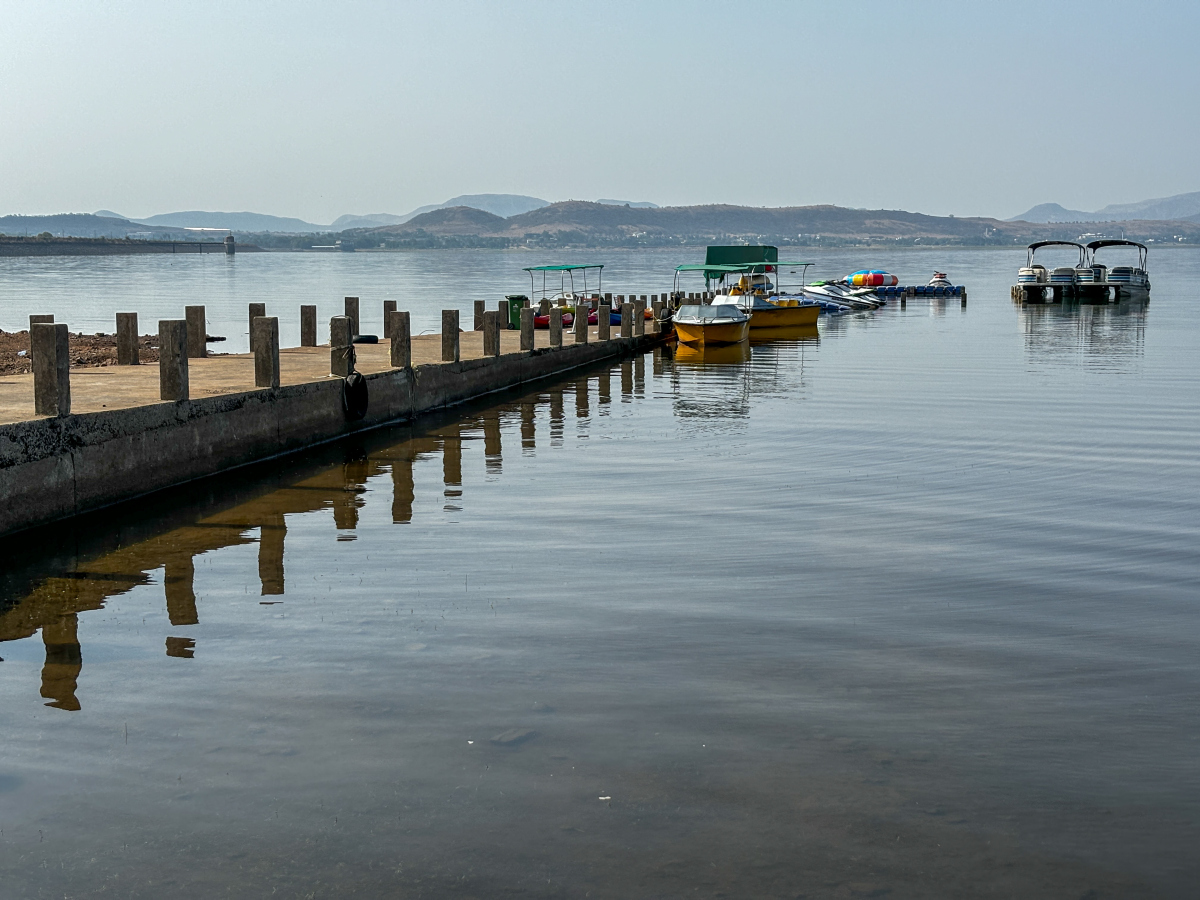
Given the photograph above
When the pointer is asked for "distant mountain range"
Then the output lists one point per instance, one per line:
(1181, 207)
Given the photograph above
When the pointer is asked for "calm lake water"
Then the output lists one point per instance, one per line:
(910, 609)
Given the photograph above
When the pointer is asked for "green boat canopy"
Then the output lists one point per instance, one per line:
(559, 268)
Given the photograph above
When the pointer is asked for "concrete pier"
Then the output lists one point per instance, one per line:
(127, 339)
(51, 350)
(172, 359)
(132, 431)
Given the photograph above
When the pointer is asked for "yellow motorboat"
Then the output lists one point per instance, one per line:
(710, 324)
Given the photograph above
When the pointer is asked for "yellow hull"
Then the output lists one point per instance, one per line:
(709, 334)
(784, 317)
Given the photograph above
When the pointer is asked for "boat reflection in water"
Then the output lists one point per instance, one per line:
(792, 333)
(713, 354)
(1110, 336)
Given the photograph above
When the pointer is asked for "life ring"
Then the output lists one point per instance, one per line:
(354, 395)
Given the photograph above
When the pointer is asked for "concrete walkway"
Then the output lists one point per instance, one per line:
(123, 387)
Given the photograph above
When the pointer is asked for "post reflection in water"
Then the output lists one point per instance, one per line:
(581, 398)
(179, 575)
(626, 380)
(556, 416)
(528, 426)
(64, 660)
(403, 489)
(491, 441)
(270, 555)
(452, 466)
(604, 388)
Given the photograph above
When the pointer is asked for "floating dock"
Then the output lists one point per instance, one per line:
(77, 440)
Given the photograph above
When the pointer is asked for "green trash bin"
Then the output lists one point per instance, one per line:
(516, 303)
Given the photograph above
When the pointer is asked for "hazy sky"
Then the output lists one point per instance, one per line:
(318, 109)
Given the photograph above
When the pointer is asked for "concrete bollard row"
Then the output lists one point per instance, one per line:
(450, 347)
(128, 352)
(50, 347)
(266, 352)
(172, 359)
(308, 326)
(401, 338)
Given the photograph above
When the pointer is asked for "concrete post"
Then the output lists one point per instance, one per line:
(397, 323)
(389, 307)
(266, 352)
(127, 339)
(581, 323)
(639, 317)
(502, 314)
(608, 299)
(341, 347)
(491, 334)
(603, 321)
(256, 310)
(480, 309)
(450, 348)
(544, 306)
(656, 322)
(527, 328)
(352, 315)
(172, 359)
(50, 346)
(37, 320)
(556, 326)
(198, 332)
(308, 326)
(626, 320)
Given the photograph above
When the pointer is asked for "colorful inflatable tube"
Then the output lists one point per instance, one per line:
(872, 278)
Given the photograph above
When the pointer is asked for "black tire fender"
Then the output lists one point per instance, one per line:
(354, 395)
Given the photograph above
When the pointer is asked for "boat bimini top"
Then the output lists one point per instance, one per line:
(1037, 245)
(566, 279)
(718, 272)
(1143, 251)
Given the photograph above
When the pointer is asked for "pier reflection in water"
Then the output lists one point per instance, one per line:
(344, 488)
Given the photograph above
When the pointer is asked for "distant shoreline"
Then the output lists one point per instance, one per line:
(56, 246)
